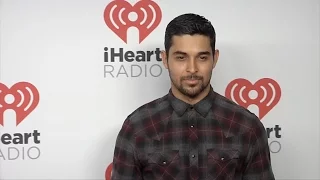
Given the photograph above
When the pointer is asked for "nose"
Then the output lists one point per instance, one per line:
(192, 66)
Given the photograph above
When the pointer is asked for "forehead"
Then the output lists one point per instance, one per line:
(190, 43)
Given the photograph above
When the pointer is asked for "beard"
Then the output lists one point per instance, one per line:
(190, 91)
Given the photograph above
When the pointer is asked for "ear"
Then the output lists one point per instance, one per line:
(164, 59)
(215, 58)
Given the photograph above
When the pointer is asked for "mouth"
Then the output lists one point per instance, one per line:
(192, 81)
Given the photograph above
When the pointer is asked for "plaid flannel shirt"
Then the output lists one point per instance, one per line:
(214, 139)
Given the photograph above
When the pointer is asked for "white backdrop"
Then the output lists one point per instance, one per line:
(58, 47)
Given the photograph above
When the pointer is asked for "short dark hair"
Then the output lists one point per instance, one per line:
(189, 24)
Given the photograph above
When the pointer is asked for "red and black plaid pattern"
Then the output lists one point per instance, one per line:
(214, 139)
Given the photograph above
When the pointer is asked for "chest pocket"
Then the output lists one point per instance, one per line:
(163, 165)
(222, 163)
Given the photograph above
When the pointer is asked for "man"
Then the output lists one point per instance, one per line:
(192, 132)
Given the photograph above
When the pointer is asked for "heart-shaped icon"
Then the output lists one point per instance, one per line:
(26, 99)
(268, 94)
(116, 17)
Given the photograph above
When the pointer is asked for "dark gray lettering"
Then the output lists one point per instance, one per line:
(119, 54)
(6, 139)
(141, 56)
(18, 138)
(129, 56)
(149, 54)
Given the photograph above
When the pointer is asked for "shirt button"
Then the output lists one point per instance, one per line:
(193, 156)
(222, 158)
(164, 162)
(191, 126)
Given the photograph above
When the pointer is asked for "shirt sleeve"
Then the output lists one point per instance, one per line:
(258, 164)
(125, 162)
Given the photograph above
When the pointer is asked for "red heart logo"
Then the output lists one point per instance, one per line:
(268, 94)
(26, 99)
(108, 172)
(116, 16)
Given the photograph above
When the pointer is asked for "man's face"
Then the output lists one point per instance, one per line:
(190, 63)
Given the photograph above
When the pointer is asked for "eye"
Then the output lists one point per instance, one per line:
(203, 57)
(179, 57)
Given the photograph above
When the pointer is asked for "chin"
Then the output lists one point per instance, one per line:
(192, 91)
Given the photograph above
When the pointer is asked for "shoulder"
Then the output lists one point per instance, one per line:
(148, 119)
(150, 108)
(236, 116)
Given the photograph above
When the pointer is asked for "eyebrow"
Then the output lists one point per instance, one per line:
(179, 53)
(184, 53)
(204, 53)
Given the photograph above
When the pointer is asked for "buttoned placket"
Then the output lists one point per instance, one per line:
(193, 142)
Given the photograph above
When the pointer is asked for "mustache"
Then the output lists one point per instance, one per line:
(192, 77)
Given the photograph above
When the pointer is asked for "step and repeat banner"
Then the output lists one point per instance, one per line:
(71, 71)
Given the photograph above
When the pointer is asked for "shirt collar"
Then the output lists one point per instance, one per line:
(202, 107)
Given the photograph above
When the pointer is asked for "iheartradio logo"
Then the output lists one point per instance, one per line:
(22, 97)
(267, 94)
(118, 16)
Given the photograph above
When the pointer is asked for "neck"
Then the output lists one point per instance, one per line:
(190, 100)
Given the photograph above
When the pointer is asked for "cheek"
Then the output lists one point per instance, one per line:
(176, 69)
(206, 72)
(174, 74)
